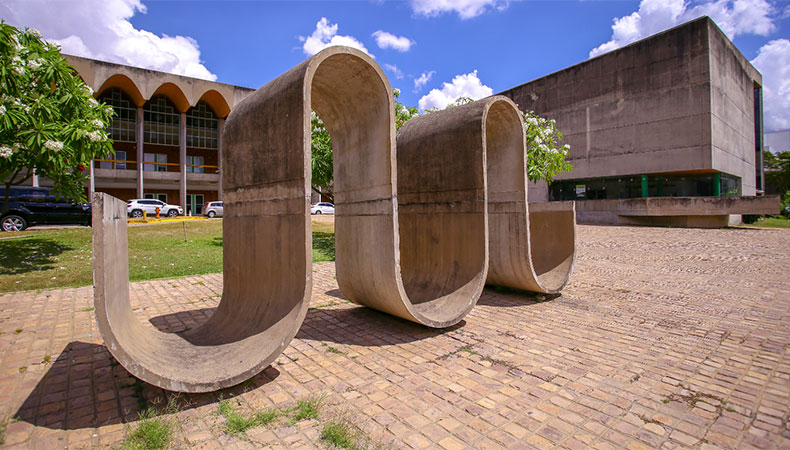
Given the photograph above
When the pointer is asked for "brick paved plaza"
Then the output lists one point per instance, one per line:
(664, 338)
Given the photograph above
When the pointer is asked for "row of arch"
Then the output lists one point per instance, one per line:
(213, 98)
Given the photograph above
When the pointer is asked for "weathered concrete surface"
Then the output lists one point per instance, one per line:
(247, 332)
(416, 249)
(681, 100)
(700, 212)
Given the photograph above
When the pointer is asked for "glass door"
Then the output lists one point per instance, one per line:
(195, 204)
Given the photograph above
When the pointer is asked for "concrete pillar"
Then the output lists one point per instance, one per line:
(182, 160)
(91, 180)
(220, 127)
(140, 158)
(35, 177)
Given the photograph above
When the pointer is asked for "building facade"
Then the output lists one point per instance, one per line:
(167, 133)
(678, 114)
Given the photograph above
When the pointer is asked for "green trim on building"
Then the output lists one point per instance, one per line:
(645, 191)
(717, 184)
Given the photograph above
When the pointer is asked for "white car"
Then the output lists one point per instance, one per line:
(322, 208)
(136, 207)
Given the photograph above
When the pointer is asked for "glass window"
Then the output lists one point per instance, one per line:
(124, 124)
(202, 126)
(160, 121)
(630, 186)
(193, 163)
(150, 158)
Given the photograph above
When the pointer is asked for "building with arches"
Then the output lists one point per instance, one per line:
(167, 133)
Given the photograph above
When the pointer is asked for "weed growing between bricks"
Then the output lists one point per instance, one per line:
(154, 432)
(237, 423)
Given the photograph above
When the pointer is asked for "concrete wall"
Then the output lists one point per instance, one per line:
(649, 107)
(733, 80)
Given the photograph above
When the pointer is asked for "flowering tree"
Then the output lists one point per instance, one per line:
(545, 153)
(50, 120)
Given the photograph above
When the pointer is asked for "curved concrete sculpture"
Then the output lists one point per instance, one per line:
(267, 238)
(531, 247)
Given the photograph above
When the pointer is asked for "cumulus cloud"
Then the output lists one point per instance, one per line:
(466, 9)
(468, 85)
(423, 80)
(102, 30)
(394, 70)
(734, 17)
(773, 61)
(389, 40)
(325, 35)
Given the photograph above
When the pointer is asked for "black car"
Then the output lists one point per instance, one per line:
(39, 206)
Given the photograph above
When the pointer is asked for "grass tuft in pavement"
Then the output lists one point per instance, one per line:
(238, 423)
(154, 432)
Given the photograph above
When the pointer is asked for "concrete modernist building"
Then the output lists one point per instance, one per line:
(166, 132)
(678, 114)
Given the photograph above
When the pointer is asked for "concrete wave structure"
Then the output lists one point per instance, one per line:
(412, 227)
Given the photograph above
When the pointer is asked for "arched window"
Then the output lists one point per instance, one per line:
(124, 124)
(202, 126)
(160, 121)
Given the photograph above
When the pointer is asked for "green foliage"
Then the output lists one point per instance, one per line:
(339, 434)
(307, 409)
(777, 171)
(237, 423)
(322, 166)
(50, 120)
(403, 113)
(545, 152)
(153, 433)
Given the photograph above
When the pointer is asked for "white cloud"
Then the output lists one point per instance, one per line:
(325, 35)
(466, 9)
(101, 30)
(734, 17)
(773, 61)
(423, 80)
(388, 40)
(468, 85)
(395, 71)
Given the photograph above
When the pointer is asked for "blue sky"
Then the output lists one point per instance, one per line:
(455, 47)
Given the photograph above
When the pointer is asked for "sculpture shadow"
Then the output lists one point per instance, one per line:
(85, 387)
(23, 255)
(360, 325)
(509, 298)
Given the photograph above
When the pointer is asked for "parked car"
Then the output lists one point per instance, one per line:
(213, 209)
(322, 208)
(136, 207)
(29, 205)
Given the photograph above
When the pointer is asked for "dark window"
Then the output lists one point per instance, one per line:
(160, 121)
(124, 124)
(202, 126)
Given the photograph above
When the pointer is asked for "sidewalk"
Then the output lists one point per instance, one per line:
(665, 338)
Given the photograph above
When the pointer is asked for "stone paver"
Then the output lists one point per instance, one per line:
(665, 338)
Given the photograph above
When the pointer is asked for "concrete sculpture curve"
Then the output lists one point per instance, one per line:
(531, 246)
(267, 239)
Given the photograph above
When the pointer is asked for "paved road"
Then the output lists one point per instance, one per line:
(665, 338)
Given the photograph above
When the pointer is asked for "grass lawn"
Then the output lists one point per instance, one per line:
(57, 258)
(771, 222)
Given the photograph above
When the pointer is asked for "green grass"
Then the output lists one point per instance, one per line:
(238, 423)
(58, 258)
(307, 409)
(153, 433)
(339, 434)
(771, 222)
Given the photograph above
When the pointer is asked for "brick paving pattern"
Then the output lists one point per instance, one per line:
(665, 338)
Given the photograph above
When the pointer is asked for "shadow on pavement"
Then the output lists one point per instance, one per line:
(85, 387)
